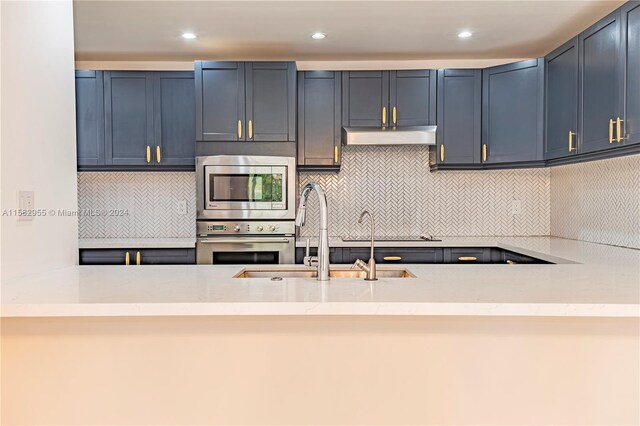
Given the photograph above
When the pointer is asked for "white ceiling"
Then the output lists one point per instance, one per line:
(356, 30)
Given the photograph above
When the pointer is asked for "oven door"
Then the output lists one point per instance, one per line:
(245, 250)
(245, 188)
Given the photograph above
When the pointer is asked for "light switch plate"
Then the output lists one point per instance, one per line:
(182, 207)
(516, 207)
(25, 202)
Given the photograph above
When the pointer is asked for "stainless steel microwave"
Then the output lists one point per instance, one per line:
(245, 187)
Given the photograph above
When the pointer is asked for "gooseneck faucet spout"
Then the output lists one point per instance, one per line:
(322, 260)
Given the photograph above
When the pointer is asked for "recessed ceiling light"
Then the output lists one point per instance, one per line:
(189, 36)
(465, 34)
(318, 36)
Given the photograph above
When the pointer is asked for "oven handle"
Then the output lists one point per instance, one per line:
(244, 240)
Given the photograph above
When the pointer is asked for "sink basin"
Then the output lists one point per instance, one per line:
(310, 272)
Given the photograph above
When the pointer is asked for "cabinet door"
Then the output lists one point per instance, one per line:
(271, 100)
(220, 101)
(631, 33)
(412, 97)
(128, 118)
(459, 116)
(365, 98)
(165, 256)
(319, 115)
(562, 101)
(601, 66)
(393, 255)
(90, 118)
(106, 257)
(512, 112)
(467, 255)
(175, 118)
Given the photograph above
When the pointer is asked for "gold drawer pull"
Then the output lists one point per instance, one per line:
(467, 258)
(158, 154)
(239, 129)
(384, 115)
(484, 152)
(392, 258)
(138, 258)
(148, 154)
(511, 262)
(442, 152)
(250, 129)
(611, 130)
(127, 259)
(619, 129)
(394, 113)
(335, 155)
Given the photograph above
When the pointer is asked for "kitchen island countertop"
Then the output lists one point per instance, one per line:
(589, 280)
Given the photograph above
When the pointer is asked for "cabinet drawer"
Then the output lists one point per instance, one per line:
(467, 255)
(105, 256)
(392, 255)
(335, 254)
(176, 256)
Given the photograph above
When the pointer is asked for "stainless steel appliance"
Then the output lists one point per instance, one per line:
(416, 135)
(234, 243)
(245, 187)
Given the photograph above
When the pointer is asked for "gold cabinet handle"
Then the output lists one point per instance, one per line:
(127, 259)
(393, 113)
(239, 129)
(484, 152)
(250, 129)
(611, 130)
(148, 154)
(158, 154)
(392, 258)
(138, 258)
(442, 152)
(335, 154)
(619, 130)
(571, 134)
(467, 258)
(384, 115)
(511, 262)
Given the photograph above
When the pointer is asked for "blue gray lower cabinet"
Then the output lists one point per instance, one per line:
(422, 255)
(148, 256)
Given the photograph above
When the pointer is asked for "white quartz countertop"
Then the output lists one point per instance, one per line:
(136, 243)
(595, 280)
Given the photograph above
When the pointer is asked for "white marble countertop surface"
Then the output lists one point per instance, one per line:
(136, 243)
(602, 281)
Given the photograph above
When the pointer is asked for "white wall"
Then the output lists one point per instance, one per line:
(38, 134)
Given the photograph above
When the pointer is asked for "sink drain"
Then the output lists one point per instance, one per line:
(276, 278)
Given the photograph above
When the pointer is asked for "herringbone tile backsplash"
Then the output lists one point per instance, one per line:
(598, 201)
(407, 200)
(151, 199)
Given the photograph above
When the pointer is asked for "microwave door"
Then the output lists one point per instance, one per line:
(240, 188)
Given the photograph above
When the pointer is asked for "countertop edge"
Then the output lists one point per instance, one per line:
(320, 309)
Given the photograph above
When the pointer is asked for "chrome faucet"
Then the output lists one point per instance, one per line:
(369, 268)
(322, 260)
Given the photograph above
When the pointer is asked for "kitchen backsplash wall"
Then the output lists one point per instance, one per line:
(597, 201)
(407, 200)
(152, 201)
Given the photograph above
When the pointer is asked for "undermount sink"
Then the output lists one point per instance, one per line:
(311, 272)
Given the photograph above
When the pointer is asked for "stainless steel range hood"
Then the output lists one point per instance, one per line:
(416, 135)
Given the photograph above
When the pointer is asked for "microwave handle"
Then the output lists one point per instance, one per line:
(244, 240)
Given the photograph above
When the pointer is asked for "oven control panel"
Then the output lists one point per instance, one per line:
(207, 228)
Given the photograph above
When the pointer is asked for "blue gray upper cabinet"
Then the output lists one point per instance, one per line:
(459, 116)
(245, 101)
(513, 112)
(271, 101)
(175, 116)
(365, 98)
(129, 137)
(220, 101)
(319, 119)
(631, 31)
(561, 112)
(601, 76)
(90, 118)
(412, 97)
